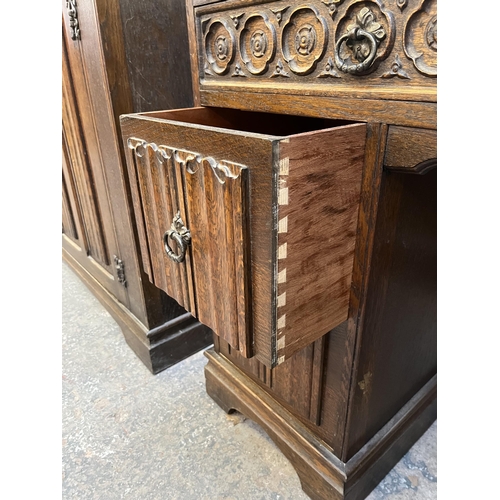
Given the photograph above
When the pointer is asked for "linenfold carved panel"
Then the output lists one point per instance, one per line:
(206, 273)
(368, 43)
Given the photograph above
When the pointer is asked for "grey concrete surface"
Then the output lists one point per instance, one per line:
(128, 434)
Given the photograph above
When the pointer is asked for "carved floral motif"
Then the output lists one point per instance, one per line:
(257, 43)
(279, 14)
(402, 4)
(332, 6)
(304, 39)
(431, 34)
(236, 19)
(74, 26)
(396, 70)
(238, 71)
(280, 71)
(363, 37)
(420, 38)
(329, 71)
(219, 46)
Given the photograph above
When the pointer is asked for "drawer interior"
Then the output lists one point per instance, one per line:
(270, 124)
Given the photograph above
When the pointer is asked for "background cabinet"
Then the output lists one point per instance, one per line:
(101, 80)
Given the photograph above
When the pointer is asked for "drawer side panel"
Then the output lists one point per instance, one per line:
(318, 200)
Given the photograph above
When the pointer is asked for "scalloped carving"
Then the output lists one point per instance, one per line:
(304, 39)
(257, 43)
(420, 38)
(219, 46)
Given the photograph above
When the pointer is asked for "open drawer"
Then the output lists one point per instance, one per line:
(248, 220)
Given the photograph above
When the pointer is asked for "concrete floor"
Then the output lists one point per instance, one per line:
(129, 434)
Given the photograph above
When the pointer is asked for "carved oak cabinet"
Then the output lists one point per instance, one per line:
(98, 238)
(294, 213)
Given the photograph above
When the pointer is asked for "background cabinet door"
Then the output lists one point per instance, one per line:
(88, 232)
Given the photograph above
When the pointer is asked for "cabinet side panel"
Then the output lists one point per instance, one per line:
(318, 201)
(159, 67)
(397, 353)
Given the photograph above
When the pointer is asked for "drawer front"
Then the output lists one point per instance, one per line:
(266, 224)
(348, 48)
(192, 213)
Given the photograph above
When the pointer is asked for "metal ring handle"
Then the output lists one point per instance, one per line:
(182, 244)
(356, 69)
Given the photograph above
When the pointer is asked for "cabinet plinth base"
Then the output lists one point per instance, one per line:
(322, 474)
(158, 348)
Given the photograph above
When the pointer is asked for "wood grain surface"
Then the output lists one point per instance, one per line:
(410, 149)
(314, 181)
(322, 182)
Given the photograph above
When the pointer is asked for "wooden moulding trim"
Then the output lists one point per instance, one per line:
(405, 113)
(379, 443)
(123, 316)
(193, 51)
(119, 312)
(372, 175)
(419, 169)
(156, 333)
(411, 94)
(291, 436)
(306, 452)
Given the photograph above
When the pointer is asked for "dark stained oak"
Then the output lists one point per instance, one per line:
(99, 237)
(410, 150)
(397, 352)
(309, 191)
(322, 474)
(283, 46)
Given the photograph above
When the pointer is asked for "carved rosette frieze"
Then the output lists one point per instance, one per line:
(219, 46)
(321, 41)
(257, 43)
(420, 38)
(304, 39)
(364, 37)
